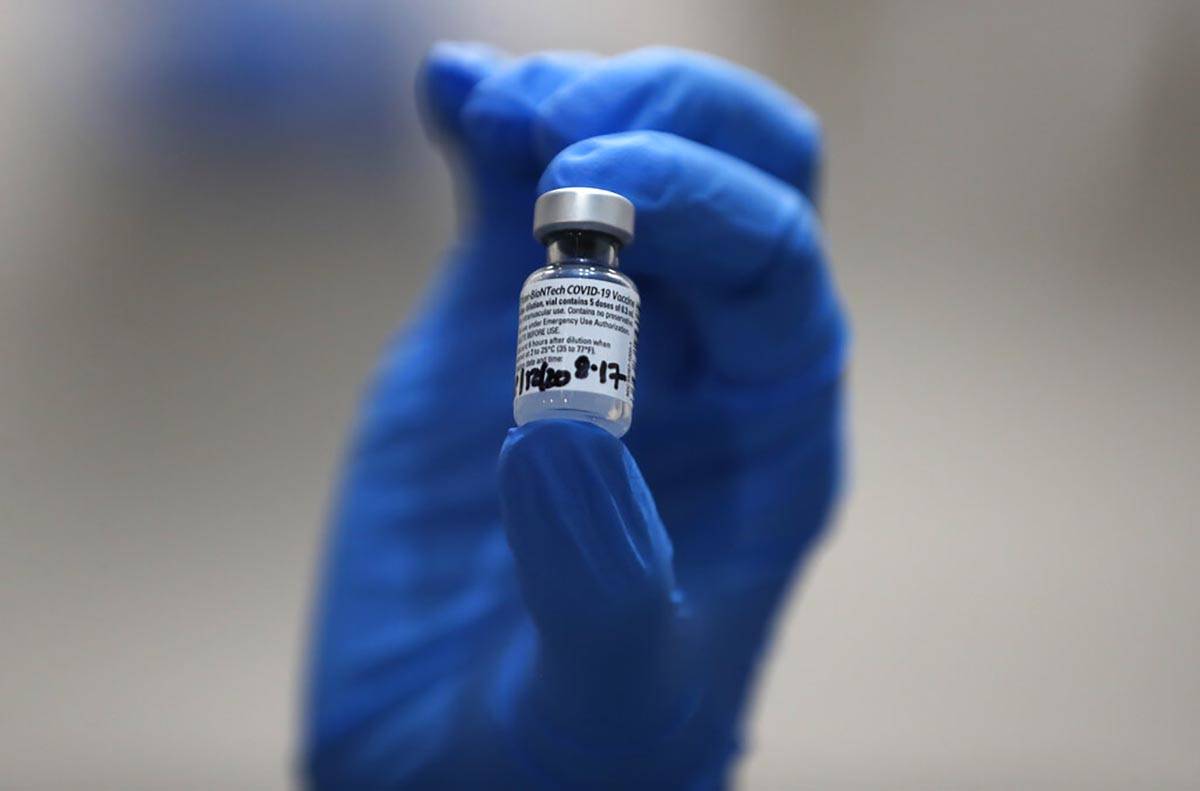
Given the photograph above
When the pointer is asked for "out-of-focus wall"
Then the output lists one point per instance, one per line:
(1012, 195)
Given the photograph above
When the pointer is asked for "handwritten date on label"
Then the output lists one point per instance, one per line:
(543, 377)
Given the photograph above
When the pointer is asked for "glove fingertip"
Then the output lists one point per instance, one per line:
(448, 75)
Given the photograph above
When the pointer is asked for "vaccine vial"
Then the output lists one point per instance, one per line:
(578, 321)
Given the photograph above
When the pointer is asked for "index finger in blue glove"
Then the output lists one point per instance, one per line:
(741, 246)
(693, 95)
(499, 115)
(481, 102)
(448, 75)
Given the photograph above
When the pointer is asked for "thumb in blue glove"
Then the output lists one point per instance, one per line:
(594, 564)
(617, 692)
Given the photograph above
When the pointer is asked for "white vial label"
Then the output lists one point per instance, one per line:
(577, 334)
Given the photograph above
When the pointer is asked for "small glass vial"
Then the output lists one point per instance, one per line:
(578, 326)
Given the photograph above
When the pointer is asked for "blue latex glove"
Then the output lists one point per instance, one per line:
(546, 622)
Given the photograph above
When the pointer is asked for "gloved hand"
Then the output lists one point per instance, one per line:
(547, 622)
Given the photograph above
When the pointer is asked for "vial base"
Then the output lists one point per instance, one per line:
(609, 413)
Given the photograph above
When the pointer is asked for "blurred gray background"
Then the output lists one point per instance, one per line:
(1011, 598)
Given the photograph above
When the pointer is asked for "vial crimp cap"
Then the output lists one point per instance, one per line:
(583, 209)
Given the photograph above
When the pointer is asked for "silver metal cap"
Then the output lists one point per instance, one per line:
(584, 209)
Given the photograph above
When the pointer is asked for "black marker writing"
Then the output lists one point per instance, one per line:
(541, 378)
